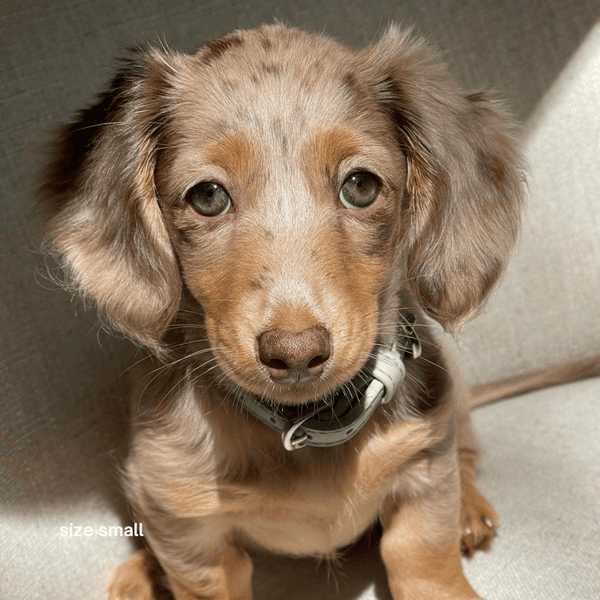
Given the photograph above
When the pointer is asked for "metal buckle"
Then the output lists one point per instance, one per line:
(409, 332)
(387, 372)
(287, 435)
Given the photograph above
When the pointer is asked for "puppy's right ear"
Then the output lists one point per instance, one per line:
(105, 218)
(462, 210)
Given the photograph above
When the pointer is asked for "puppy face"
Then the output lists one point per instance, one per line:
(254, 196)
(296, 191)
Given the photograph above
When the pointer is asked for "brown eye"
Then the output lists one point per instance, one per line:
(359, 190)
(208, 199)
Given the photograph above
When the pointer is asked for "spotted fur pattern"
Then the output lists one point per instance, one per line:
(280, 119)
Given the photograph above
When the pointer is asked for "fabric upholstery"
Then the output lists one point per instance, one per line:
(557, 266)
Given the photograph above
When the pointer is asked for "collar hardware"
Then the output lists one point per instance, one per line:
(410, 336)
(325, 423)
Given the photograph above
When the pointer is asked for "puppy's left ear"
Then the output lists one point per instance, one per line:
(462, 208)
(105, 215)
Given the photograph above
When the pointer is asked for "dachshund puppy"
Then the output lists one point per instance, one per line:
(280, 220)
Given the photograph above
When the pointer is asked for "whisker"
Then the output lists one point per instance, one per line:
(418, 383)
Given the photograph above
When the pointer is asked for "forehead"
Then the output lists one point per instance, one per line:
(274, 96)
(268, 83)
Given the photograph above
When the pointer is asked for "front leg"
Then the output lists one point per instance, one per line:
(479, 520)
(222, 575)
(228, 577)
(420, 547)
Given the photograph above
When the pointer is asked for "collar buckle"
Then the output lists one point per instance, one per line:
(330, 424)
(410, 336)
(288, 439)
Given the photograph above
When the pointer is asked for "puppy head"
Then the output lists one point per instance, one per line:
(292, 188)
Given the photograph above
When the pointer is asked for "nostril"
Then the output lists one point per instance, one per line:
(274, 363)
(318, 361)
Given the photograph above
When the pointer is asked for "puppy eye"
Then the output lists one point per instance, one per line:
(359, 190)
(208, 199)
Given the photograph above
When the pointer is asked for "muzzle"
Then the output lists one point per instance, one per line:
(330, 423)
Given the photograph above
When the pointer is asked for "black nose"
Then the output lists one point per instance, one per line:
(294, 357)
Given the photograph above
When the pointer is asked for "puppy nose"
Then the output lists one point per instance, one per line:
(294, 357)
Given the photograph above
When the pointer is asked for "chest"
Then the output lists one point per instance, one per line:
(315, 511)
(310, 518)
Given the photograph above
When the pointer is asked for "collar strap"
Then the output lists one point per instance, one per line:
(329, 423)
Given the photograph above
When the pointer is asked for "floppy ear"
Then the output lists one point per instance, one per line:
(462, 208)
(106, 221)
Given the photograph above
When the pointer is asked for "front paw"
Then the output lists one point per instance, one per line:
(479, 522)
(137, 578)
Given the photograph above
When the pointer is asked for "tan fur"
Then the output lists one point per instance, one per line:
(529, 382)
(280, 120)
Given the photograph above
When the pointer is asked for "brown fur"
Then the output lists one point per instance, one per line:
(280, 120)
(536, 380)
